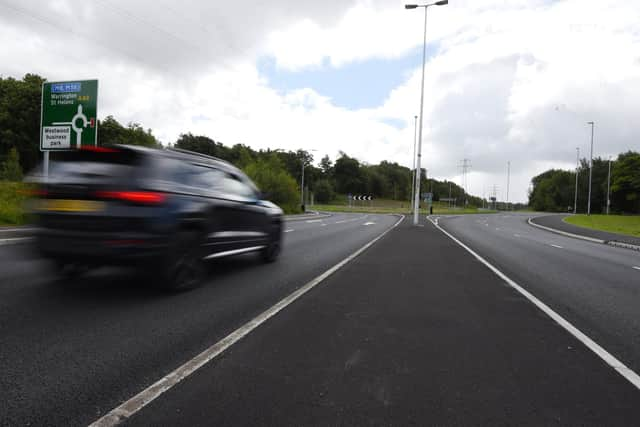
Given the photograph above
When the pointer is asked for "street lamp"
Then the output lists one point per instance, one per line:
(413, 177)
(609, 186)
(575, 200)
(424, 54)
(302, 183)
(590, 169)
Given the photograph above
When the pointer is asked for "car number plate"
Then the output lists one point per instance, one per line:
(63, 205)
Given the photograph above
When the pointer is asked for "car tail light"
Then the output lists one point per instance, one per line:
(97, 149)
(35, 192)
(139, 197)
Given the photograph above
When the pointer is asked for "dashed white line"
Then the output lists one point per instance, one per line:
(289, 230)
(313, 220)
(637, 268)
(557, 246)
(516, 235)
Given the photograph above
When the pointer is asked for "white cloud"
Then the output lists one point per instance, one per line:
(512, 80)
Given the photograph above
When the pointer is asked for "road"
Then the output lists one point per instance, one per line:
(594, 286)
(70, 354)
(413, 331)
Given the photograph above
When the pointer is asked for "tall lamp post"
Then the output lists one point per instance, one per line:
(575, 200)
(302, 184)
(609, 187)
(590, 169)
(424, 54)
(413, 177)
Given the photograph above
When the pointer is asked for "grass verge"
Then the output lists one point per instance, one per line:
(391, 209)
(620, 224)
(12, 196)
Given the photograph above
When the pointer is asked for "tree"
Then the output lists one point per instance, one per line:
(20, 118)
(326, 166)
(348, 176)
(11, 170)
(552, 191)
(270, 175)
(324, 191)
(110, 131)
(625, 183)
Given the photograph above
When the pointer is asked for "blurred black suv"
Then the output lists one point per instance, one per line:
(166, 211)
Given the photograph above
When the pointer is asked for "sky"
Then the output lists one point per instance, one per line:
(505, 80)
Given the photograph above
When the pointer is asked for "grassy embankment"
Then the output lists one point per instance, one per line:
(385, 206)
(11, 203)
(620, 224)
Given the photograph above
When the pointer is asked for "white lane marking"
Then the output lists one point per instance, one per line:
(148, 395)
(603, 354)
(516, 235)
(557, 246)
(323, 225)
(637, 268)
(351, 220)
(369, 223)
(14, 240)
(313, 220)
(289, 230)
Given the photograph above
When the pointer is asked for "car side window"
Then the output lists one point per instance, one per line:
(206, 178)
(233, 185)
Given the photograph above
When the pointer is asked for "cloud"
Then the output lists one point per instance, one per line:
(506, 80)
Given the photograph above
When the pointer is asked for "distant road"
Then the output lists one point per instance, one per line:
(68, 355)
(594, 286)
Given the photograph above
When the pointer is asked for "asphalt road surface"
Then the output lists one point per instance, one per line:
(70, 354)
(594, 286)
(413, 331)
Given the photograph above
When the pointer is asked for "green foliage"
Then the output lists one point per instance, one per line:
(10, 169)
(554, 190)
(20, 118)
(110, 131)
(625, 183)
(270, 175)
(12, 197)
(324, 191)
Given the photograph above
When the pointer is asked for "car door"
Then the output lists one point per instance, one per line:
(249, 215)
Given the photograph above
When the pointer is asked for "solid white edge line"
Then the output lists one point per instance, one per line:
(603, 354)
(140, 400)
(14, 240)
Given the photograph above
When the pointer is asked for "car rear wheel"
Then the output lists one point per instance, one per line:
(185, 267)
(272, 251)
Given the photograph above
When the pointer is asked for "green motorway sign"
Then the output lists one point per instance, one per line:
(69, 115)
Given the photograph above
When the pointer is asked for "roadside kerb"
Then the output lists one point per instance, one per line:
(589, 239)
(564, 233)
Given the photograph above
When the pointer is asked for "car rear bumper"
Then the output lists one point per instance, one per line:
(124, 248)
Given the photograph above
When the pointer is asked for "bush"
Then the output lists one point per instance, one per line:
(12, 197)
(324, 191)
(11, 170)
(272, 178)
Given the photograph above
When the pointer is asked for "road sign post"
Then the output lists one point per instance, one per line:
(69, 114)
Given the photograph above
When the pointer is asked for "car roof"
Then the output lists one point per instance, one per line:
(185, 155)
